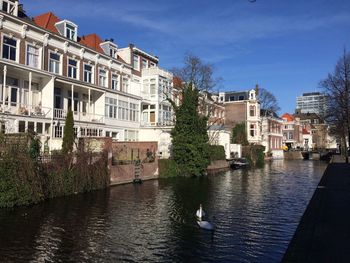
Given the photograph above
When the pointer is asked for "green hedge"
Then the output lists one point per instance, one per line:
(26, 180)
(217, 152)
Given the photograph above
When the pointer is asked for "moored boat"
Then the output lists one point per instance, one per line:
(238, 163)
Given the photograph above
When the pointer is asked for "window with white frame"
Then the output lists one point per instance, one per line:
(70, 32)
(125, 86)
(115, 81)
(144, 63)
(123, 110)
(166, 113)
(252, 111)
(153, 89)
(102, 78)
(136, 64)
(8, 7)
(75, 100)
(72, 68)
(9, 48)
(88, 73)
(112, 52)
(290, 136)
(252, 130)
(131, 135)
(134, 112)
(58, 132)
(111, 107)
(32, 56)
(152, 64)
(54, 63)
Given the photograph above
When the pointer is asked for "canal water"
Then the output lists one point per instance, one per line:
(255, 212)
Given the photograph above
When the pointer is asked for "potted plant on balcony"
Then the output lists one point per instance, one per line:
(37, 109)
(23, 110)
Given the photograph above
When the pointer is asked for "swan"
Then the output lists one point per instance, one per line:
(203, 223)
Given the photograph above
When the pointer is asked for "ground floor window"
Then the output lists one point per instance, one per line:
(58, 132)
(131, 135)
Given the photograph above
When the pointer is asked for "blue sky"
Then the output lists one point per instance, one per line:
(285, 46)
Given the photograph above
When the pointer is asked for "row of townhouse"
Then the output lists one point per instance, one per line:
(307, 131)
(46, 68)
(262, 127)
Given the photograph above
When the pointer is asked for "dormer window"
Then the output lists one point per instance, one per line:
(9, 7)
(109, 48)
(67, 29)
(112, 52)
(70, 32)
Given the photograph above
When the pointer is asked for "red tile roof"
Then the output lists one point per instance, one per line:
(92, 41)
(47, 21)
(288, 117)
(305, 131)
(177, 82)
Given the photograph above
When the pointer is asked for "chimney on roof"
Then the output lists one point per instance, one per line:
(131, 45)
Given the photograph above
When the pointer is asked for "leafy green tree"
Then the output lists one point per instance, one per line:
(189, 136)
(239, 134)
(68, 136)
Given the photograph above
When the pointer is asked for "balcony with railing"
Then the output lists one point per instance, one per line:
(15, 108)
(61, 114)
(156, 124)
(157, 71)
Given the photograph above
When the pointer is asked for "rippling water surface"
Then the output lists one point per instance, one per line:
(256, 213)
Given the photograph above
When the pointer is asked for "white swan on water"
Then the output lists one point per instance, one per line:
(202, 223)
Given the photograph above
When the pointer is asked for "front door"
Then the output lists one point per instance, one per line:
(152, 117)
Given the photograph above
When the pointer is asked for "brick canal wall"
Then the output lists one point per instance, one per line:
(125, 155)
(293, 155)
(219, 165)
(323, 234)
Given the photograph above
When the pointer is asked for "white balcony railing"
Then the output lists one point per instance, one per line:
(15, 108)
(156, 124)
(79, 116)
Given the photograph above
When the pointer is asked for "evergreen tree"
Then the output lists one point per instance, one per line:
(239, 134)
(68, 136)
(189, 136)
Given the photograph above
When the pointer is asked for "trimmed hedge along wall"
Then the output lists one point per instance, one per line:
(25, 180)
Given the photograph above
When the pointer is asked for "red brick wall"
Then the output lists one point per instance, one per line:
(234, 113)
(125, 173)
